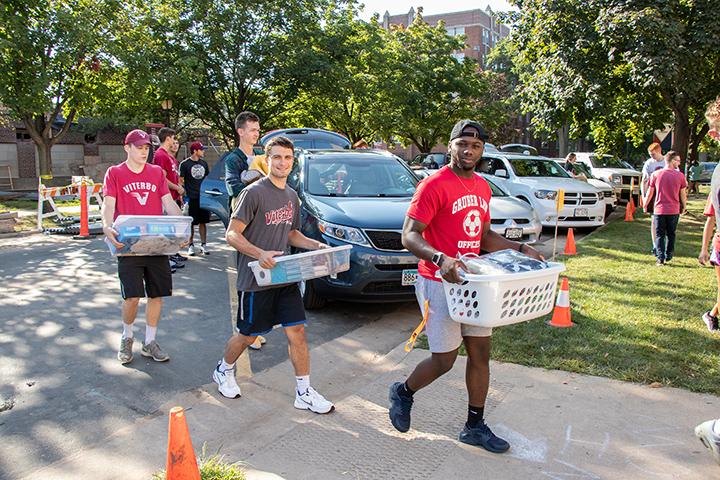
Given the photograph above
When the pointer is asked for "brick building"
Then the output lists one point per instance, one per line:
(480, 27)
(76, 153)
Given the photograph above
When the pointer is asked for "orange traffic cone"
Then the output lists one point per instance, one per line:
(570, 243)
(84, 230)
(629, 210)
(181, 461)
(561, 315)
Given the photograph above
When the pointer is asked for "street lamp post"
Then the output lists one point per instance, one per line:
(166, 106)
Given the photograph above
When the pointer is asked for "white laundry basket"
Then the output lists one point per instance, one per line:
(502, 299)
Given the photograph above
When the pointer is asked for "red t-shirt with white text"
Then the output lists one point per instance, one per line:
(136, 193)
(455, 210)
(167, 162)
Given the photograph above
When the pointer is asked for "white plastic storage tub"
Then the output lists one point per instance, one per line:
(504, 298)
(150, 234)
(303, 266)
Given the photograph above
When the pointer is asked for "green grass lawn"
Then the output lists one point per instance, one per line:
(635, 321)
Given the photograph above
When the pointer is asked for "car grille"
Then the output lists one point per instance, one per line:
(522, 221)
(388, 288)
(575, 198)
(607, 193)
(626, 179)
(497, 221)
(389, 240)
(575, 219)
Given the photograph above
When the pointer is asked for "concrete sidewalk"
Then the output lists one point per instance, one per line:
(560, 426)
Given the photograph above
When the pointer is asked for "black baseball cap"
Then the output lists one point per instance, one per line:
(468, 128)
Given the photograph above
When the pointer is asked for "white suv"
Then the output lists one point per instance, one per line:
(611, 170)
(537, 180)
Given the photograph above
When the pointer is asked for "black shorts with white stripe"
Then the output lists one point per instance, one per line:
(259, 312)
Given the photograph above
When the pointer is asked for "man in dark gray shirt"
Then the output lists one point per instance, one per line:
(265, 222)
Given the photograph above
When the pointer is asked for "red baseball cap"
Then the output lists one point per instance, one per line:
(137, 138)
(197, 146)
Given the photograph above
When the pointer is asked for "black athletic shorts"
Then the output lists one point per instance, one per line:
(259, 312)
(199, 215)
(145, 276)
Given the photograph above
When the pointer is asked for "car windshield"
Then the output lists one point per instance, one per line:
(496, 191)
(358, 176)
(537, 168)
(709, 167)
(582, 168)
(606, 161)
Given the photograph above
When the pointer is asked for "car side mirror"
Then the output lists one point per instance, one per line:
(502, 173)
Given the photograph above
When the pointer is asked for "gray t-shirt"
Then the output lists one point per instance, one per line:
(270, 215)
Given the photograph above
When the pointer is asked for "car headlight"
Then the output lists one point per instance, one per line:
(345, 234)
(615, 179)
(546, 194)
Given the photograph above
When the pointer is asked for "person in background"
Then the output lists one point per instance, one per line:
(694, 174)
(651, 165)
(668, 187)
(193, 171)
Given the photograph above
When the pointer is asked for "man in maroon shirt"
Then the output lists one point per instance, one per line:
(669, 188)
(165, 159)
(450, 215)
(137, 188)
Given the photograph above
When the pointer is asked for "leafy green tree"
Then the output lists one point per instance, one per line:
(52, 64)
(345, 90)
(248, 56)
(619, 69)
(426, 89)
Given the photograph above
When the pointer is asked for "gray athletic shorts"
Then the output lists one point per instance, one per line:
(444, 334)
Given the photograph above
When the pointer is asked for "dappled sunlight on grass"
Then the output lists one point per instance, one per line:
(635, 321)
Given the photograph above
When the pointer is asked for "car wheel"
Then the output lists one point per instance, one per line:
(311, 300)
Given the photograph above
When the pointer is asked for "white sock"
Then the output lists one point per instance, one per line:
(150, 334)
(226, 366)
(127, 330)
(716, 428)
(303, 383)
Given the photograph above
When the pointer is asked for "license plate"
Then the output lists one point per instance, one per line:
(581, 212)
(409, 277)
(513, 233)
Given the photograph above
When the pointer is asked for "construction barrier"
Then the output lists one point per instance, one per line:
(48, 194)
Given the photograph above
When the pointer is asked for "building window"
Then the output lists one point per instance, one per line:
(486, 37)
(454, 31)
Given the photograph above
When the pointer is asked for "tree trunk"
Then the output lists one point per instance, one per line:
(681, 132)
(45, 159)
(563, 137)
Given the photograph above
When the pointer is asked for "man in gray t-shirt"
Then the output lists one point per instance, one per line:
(265, 222)
(270, 214)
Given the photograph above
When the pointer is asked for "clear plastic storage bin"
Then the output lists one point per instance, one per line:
(150, 234)
(303, 266)
(504, 297)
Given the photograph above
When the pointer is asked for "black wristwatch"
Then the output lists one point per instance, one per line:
(437, 258)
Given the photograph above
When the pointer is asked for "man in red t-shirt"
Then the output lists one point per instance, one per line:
(449, 216)
(669, 188)
(137, 188)
(165, 159)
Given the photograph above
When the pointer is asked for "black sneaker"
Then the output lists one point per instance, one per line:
(399, 408)
(482, 436)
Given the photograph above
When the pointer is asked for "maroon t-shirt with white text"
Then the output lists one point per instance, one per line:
(136, 193)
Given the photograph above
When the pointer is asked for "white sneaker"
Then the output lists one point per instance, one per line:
(203, 250)
(709, 438)
(227, 385)
(191, 250)
(313, 401)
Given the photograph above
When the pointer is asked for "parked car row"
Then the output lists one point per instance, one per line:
(360, 197)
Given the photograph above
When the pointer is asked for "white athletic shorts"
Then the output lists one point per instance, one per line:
(444, 334)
